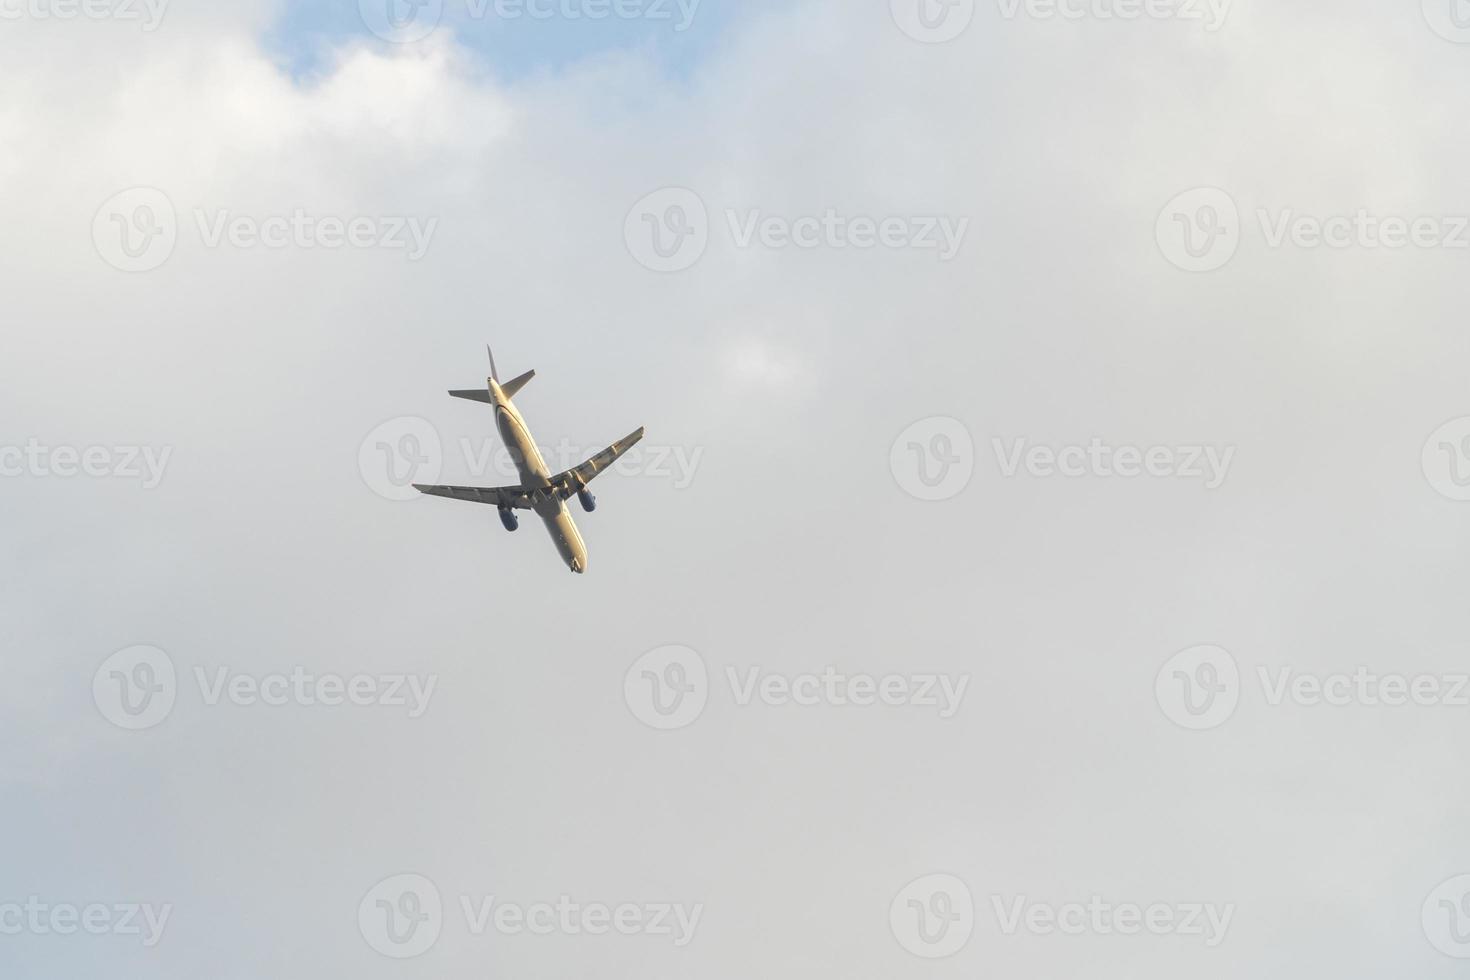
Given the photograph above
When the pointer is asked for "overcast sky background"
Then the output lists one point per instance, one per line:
(800, 542)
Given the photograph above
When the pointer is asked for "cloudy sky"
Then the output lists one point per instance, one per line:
(1047, 556)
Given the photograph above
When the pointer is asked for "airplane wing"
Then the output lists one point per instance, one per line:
(515, 498)
(563, 485)
(578, 477)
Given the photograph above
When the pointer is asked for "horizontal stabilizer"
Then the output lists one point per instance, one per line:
(474, 395)
(512, 388)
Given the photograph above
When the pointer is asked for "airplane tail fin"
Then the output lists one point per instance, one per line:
(511, 388)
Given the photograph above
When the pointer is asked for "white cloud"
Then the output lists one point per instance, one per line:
(1059, 321)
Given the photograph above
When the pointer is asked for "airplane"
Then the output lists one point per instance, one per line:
(539, 490)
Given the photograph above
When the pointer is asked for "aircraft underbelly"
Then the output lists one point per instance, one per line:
(533, 472)
(524, 452)
(568, 540)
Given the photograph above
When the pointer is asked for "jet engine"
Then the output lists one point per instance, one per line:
(509, 519)
(588, 502)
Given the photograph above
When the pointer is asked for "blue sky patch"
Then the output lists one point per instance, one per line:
(516, 37)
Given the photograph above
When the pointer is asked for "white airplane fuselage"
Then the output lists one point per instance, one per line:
(534, 473)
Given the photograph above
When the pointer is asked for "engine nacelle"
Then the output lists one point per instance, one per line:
(509, 519)
(588, 502)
